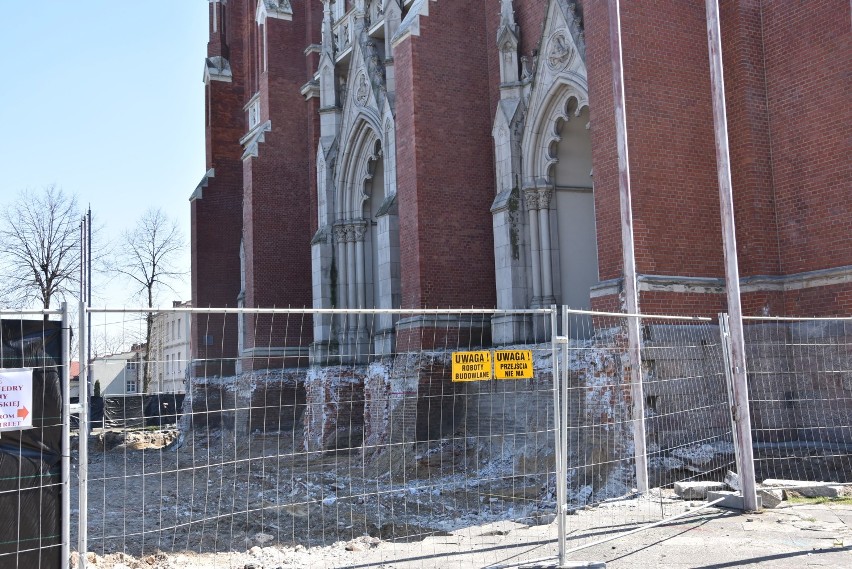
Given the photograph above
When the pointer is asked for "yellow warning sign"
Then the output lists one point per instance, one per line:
(472, 366)
(513, 364)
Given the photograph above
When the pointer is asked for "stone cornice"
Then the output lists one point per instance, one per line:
(310, 89)
(217, 68)
(252, 140)
(455, 322)
(197, 194)
(712, 285)
(410, 25)
(278, 9)
(275, 352)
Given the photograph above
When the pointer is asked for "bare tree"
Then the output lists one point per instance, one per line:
(149, 257)
(107, 342)
(40, 247)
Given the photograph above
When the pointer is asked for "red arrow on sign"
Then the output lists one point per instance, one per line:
(22, 413)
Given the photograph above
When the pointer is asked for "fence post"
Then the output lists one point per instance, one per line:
(740, 416)
(560, 438)
(725, 337)
(83, 441)
(66, 437)
(637, 393)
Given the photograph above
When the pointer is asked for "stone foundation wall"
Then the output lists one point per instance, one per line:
(334, 417)
(800, 380)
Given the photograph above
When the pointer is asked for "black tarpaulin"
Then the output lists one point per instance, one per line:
(136, 411)
(31, 459)
(124, 412)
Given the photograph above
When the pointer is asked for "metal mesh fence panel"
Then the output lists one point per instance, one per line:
(800, 390)
(687, 422)
(353, 450)
(34, 497)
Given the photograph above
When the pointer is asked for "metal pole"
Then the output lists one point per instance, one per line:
(83, 445)
(732, 274)
(66, 437)
(631, 294)
(89, 284)
(559, 427)
(82, 258)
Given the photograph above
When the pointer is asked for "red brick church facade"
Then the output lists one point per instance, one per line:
(458, 153)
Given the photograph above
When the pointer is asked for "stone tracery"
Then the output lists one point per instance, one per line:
(360, 255)
(550, 94)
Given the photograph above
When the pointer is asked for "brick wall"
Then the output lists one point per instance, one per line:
(786, 154)
(749, 137)
(215, 233)
(833, 300)
(445, 159)
(277, 190)
(789, 132)
(602, 132)
(807, 57)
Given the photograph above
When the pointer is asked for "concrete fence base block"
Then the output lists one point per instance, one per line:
(732, 500)
(570, 565)
(696, 490)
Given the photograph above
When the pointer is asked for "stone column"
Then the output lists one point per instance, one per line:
(359, 233)
(351, 287)
(531, 200)
(342, 293)
(544, 196)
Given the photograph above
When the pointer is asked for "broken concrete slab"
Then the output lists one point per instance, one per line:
(810, 489)
(770, 498)
(696, 490)
(732, 479)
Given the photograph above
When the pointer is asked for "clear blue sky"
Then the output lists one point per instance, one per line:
(106, 100)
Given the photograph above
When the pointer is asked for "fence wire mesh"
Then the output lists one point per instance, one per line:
(269, 447)
(800, 391)
(687, 424)
(360, 448)
(33, 438)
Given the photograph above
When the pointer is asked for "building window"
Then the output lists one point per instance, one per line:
(178, 328)
(131, 366)
(254, 113)
(131, 385)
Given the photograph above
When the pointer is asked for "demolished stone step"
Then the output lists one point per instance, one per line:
(810, 489)
(696, 490)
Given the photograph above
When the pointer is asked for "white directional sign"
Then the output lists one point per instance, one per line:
(16, 399)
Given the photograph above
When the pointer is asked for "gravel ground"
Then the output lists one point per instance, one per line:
(791, 536)
(215, 494)
(214, 502)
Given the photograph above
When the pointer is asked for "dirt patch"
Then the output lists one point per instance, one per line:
(216, 492)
